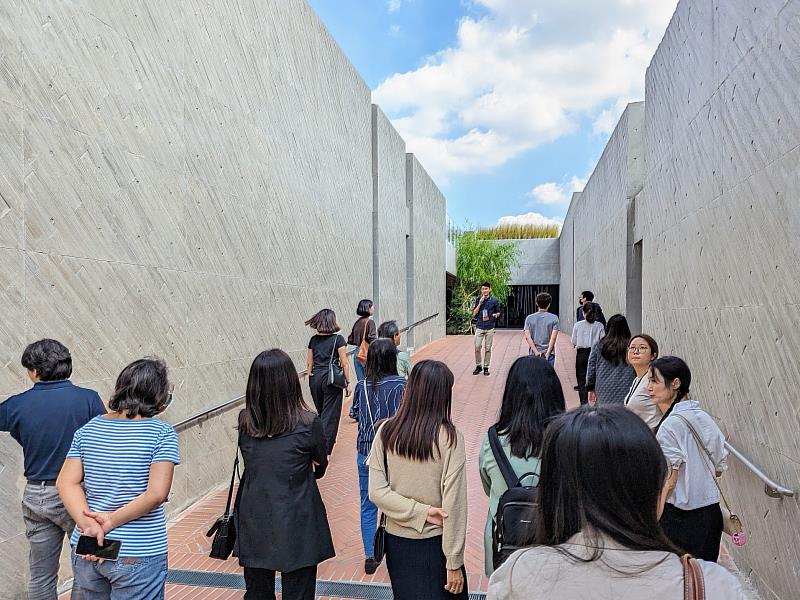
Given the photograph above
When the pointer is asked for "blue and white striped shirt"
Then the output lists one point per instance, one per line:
(116, 456)
(383, 403)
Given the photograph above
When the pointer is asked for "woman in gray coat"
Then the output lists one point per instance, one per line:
(608, 375)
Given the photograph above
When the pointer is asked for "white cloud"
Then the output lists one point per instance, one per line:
(394, 5)
(556, 193)
(394, 30)
(531, 218)
(522, 75)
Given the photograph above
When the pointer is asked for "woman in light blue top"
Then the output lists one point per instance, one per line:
(532, 397)
(125, 460)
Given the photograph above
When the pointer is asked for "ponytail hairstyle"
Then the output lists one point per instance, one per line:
(672, 368)
(589, 313)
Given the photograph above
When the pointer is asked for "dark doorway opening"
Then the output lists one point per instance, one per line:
(522, 302)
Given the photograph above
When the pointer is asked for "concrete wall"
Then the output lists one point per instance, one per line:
(597, 223)
(191, 180)
(538, 262)
(428, 214)
(718, 220)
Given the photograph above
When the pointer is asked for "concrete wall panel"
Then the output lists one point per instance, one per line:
(538, 262)
(192, 180)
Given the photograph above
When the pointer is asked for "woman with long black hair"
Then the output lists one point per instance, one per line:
(532, 398)
(608, 374)
(694, 447)
(417, 480)
(376, 397)
(281, 521)
(597, 534)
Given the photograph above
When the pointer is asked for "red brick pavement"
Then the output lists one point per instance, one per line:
(476, 400)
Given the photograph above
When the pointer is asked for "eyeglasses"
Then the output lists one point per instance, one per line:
(638, 349)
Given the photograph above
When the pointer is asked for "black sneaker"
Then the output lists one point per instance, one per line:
(477, 370)
(486, 371)
(370, 566)
(576, 388)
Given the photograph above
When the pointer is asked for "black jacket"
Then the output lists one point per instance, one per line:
(281, 521)
(599, 316)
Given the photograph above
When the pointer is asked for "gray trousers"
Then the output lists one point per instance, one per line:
(46, 522)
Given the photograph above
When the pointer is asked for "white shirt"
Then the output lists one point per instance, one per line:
(639, 403)
(585, 334)
(544, 573)
(695, 487)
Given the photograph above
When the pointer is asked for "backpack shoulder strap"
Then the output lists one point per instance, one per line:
(501, 459)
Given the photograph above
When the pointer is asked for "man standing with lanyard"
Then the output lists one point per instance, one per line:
(485, 312)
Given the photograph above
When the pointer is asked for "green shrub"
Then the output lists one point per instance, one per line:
(517, 232)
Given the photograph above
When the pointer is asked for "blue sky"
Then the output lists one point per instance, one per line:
(507, 103)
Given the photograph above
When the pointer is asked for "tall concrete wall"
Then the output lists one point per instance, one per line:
(428, 215)
(718, 221)
(597, 221)
(538, 262)
(191, 180)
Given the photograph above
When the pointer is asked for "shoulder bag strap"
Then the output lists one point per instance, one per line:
(694, 587)
(233, 481)
(333, 348)
(698, 440)
(366, 328)
(501, 459)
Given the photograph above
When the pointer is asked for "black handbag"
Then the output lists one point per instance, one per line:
(379, 541)
(224, 529)
(336, 376)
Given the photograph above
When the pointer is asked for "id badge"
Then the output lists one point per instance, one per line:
(485, 315)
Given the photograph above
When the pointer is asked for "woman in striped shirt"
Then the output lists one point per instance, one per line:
(125, 460)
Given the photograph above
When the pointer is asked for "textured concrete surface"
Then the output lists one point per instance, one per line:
(191, 180)
(718, 221)
(596, 225)
(538, 262)
(428, 216)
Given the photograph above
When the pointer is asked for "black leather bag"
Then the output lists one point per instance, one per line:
(379, 541)
(224, 529)
(336, 376)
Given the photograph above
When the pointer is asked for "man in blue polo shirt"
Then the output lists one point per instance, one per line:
(44, 420)
(485, 311)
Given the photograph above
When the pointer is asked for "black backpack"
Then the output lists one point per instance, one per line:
(513, 527)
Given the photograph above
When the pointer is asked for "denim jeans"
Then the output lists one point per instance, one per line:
(369, 512)
(358, 367)
(551, 360)
(46, 522)
(123, 579)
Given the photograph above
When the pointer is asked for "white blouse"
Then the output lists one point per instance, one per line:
(638, 402)
(695, 487)
(585, 334)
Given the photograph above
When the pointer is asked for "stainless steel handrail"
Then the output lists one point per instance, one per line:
(771, 489)
(205, 415)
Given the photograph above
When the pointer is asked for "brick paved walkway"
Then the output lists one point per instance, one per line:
(476, 402)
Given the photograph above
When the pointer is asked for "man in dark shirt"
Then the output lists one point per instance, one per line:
(588, 296)
(485, 311)
(43, 420)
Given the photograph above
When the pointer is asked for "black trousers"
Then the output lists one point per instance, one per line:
(328, 402)
(296, 585)
(581, 363)
(418, 569)
(697, 531)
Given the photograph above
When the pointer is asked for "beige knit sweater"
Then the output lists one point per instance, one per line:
(413, 487)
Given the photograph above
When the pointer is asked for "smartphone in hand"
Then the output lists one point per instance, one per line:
(88, 545)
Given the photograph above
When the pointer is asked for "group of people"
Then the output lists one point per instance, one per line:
(93, 470)
(625, 484)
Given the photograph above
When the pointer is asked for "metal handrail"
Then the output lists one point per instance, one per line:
(208, 413)
(771, 489)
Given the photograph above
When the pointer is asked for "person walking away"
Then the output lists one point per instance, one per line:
(281, 521)
(608, 374)
(585, 297)
(375, 398)
(532, 398)
(389, 330)
(417, 480)
(692, 516)
(115, 481)
(485, 312)
(585, 334)
(364, 329)
(642, 351)
(326, 346)
(597, 532)
(43, 421)
(541, 330)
